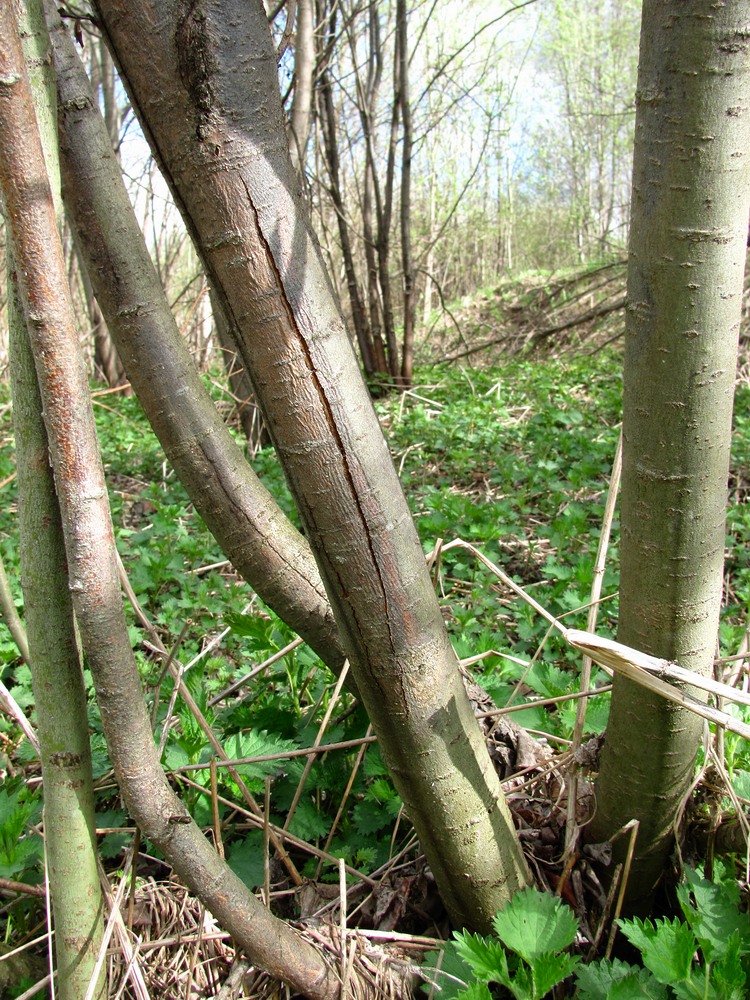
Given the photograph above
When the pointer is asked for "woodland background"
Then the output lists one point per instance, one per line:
(467, 170)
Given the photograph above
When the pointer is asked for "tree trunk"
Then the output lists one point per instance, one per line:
(330, 144)
(53, 656)
(691, 190)
(304, 70)
(407, 262)
(89, 544)
(106, 360)
(262, 544)
(59, 693)
(208, 89)
(368, 92)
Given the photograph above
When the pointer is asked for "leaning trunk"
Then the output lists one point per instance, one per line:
(691, 189)
(254, 534)
(53, 654)
(91, 558)
(207, 91)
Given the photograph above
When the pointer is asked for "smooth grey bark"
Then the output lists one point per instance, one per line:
(53, 655)
(203, 80)
(407, 261)
(262, 544)
(371, 358)
(691, 196)
(90, 551)
(304, 71)
(106, 360)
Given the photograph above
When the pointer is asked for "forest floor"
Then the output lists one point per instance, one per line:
(506, 468)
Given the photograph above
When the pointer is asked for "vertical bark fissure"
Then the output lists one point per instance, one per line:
(261, 542)
(89, 545)
(330, 419)
(405, 668)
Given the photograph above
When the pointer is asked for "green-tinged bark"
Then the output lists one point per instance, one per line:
(57, 676)
(691, 197)
(59, 693)
(90, 551)
(203, 80)
(255, 535)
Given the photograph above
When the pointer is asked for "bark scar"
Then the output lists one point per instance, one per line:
(195, 60)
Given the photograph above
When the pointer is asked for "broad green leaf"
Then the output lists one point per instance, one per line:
(485, 955)
(549, 970)
(248, 625)
(246, 859)
(694, 988)
(475, 991)
(175, 757)
(667, 946)
(617, 980)
(371, 817)
(24, 853)
(373, 765)
(728, 975)
(548, 680)
(520, 983)
(741, 783)
(713, 914)
(257, 743)
(535, 923)
(450, 973)
(307, 823)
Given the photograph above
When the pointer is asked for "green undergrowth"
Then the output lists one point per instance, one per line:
(514, 460)
(702, 953)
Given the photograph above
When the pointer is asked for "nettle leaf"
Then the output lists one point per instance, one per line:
(24, 853)
(712, 911)
(246, 859)
(307, 823)
(374, 766)
(175, 757)
(257, 743)
(381, 790)
(476, 991)
(741, 783)
(485, 956)
(728, 975)
(112, 843)
(371, 817)
(100, 762)
(247, 625)
(605, 980)
(535, 923)
(448, 971)
(365, 858)
(667, 946)
(549, 970)
(548, 680)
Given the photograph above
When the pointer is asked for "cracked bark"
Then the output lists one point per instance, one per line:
(229, 166)
(89, 545)
(262, 544)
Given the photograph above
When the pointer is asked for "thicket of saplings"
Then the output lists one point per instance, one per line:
(515, 460)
